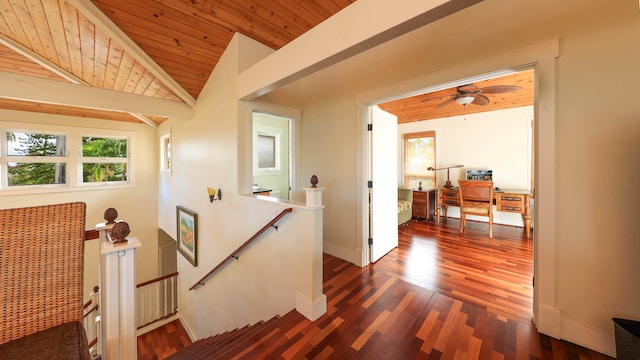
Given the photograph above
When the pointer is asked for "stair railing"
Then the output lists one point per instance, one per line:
(234, 255)
(91, 321)
(156, 299)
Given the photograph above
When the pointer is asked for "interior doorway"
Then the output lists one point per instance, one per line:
(272, 175)
(523, 178)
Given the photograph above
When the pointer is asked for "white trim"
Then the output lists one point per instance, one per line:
(582, 334)
(158, 324)
(339, 252)
(543, 57)
(73, 158)
(245, 154)
(312, 310)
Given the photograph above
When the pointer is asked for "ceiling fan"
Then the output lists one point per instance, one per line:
(471, 94)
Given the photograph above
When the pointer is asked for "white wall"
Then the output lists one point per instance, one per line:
(495, 140)
(282, 270)
(586, 266)
(136, 205)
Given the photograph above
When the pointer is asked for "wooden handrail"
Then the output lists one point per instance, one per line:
(238, 250)
(91, 235)
(156, 280)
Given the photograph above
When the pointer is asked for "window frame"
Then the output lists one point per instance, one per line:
(165, 153)
(416, 135)
(6, 159)
(73, 158)
(102, 159)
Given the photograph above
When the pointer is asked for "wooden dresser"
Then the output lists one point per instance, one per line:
(424, 204)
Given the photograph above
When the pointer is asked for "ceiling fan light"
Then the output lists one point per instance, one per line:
(464, 100)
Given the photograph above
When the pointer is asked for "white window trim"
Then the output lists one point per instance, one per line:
(272, 132)
(73, 159)
(165, 139)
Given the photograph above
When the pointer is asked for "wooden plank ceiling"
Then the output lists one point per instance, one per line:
(426, 106)
(164, 49)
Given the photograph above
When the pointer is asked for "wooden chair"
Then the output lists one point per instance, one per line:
(476, 198)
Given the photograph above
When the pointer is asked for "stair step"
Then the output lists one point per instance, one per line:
(228, 344)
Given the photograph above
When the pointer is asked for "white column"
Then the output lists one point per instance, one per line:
(117, 306)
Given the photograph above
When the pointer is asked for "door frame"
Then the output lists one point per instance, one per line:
(541, 57)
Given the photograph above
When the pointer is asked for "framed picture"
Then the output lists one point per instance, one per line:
(187, 222)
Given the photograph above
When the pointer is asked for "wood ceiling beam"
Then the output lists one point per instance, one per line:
(345, 34)
(30, 88)
(88, 9)
(40, 60)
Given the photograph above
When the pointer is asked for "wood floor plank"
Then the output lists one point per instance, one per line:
(439, 295)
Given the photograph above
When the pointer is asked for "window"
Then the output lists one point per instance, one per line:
(35, 159)
(165, 153)
(266, 151)
(40, 157)
(419, 155)
(104, 159)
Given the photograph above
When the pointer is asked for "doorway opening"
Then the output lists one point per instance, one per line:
(500, 139)
(271, 137)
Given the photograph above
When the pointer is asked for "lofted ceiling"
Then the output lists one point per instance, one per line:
(167, 49)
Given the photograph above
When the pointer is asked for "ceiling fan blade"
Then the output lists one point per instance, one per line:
(480, 100)
(467, 89)
(497, 89)
(444, 103)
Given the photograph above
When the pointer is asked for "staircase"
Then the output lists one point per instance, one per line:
(249, 342)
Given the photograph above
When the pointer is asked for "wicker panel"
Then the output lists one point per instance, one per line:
(41, 263)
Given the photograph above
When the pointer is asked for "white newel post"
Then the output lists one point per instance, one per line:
(117, 297)
(314, 197)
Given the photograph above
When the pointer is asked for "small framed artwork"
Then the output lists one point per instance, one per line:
(187, 222)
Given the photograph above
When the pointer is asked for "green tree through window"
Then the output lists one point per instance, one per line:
(40, 159)
(104, 159)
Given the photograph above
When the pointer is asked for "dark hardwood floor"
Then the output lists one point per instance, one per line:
(439, 295)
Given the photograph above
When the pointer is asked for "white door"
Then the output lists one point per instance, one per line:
(383, 215)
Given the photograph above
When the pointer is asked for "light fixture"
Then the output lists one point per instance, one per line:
(213, 195)
(464, 100)
(447, 185)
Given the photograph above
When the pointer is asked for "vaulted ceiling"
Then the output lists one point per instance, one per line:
(161, 49)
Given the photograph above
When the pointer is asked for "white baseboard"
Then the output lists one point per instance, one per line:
(312, 310)
(157, 324)
(551, 323)
(339, 252)
(187, 328)
(582, 335)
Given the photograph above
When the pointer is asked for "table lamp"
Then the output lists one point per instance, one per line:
(447, 185)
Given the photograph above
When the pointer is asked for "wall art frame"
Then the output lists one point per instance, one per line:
(187, 230)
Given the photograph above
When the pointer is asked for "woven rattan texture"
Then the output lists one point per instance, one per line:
(41, 264)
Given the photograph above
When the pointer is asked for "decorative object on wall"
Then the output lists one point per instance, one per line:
(213, 194)
(119, 232)
(314, 181)
(187, 242)
(447, 185)
(110, 215)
